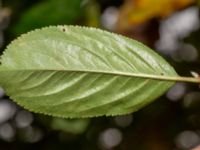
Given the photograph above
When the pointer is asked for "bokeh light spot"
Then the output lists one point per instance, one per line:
(110, 138)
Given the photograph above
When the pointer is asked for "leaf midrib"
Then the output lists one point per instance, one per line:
(117, 73)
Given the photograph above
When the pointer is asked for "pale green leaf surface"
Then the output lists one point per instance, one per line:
(74, 72)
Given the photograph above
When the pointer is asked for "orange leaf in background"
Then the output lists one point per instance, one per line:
(135, 12)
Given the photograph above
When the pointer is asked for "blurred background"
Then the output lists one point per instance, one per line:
(172, 122)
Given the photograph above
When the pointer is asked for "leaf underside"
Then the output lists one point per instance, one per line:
(75, 72)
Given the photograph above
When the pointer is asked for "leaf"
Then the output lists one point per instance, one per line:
(92, 14)
(135, 12)
(74, 126)
(75, 72)
(49, 12)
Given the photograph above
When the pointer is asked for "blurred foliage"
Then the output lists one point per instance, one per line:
(171, 122)
(76, 126)
(49, 12)
(92, 14)
(136, 12)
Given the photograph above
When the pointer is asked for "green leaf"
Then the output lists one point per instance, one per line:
(71, 71)
(74, 126)
(92, 14)
(49, 12)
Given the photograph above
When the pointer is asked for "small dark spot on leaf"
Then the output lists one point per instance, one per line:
(63, 30)
(161, 73)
